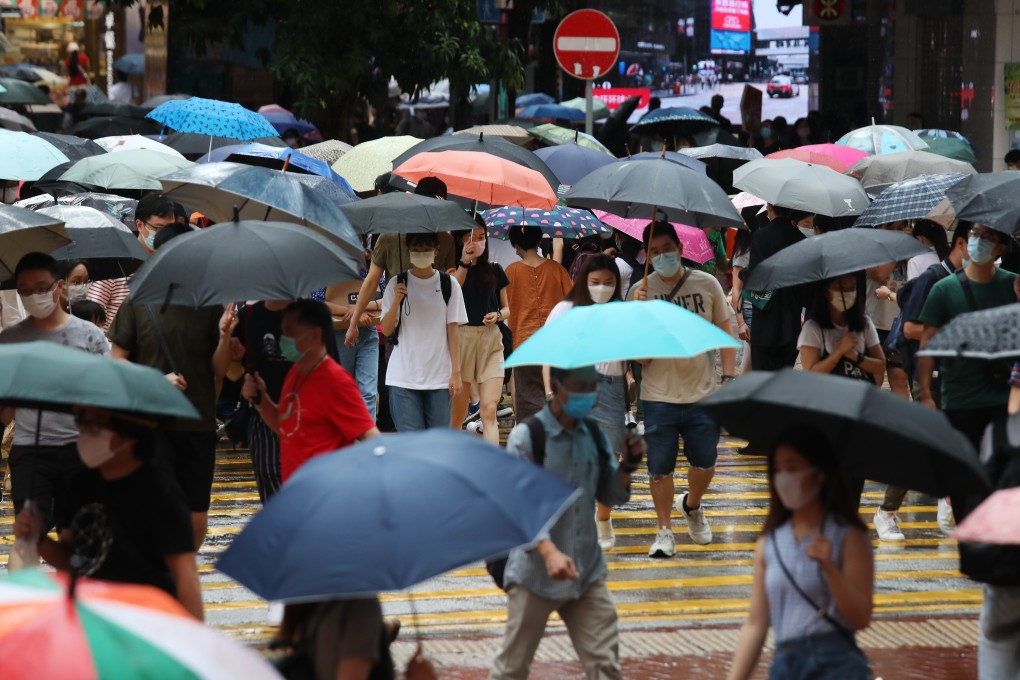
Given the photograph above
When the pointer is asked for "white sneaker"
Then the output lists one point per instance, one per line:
(607, 537)
(887, 524)
(505, 412)
(664, 545)
(697, 525)
(945, 516)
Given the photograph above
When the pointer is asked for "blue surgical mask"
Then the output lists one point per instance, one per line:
(979, 250)
(667, 264)
(766, 133)
(289, 350)
(580, 404)
(150, 240)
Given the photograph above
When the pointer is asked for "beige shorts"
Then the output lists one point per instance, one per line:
(481, 353)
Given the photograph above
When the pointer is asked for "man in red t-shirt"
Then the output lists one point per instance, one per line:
(320, 407)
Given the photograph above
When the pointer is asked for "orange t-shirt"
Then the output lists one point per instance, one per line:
(531, 295)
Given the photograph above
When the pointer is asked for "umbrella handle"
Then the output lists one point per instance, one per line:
(648, 259)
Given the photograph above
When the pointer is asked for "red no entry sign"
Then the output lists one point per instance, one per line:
(586, 44)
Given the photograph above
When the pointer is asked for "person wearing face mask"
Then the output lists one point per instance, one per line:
(78, 283)
(320, 408)
(481, 341)
(565, 572)
(44, 463)
(151, 539)
(814, 572)
(672, 388)
(598, 282)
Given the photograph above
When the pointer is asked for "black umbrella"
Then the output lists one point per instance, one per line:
(673, 122)
(877, 435)
(988, 198)
(112, 253)
(122, 109)
(721, 160)
(400, 213)
(986, 334)
(109, 126)
(833, 254)
(614, 132)
(193, 146)
(672, 157)
(75, 148)
(497, 146)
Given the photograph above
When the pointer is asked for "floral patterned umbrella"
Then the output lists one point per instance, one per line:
(560, 222)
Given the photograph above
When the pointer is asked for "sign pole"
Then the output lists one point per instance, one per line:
(589, 123)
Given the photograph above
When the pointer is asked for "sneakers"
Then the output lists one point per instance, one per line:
(697, 525)
(473, 412)
(887, 524)
(475, 427)
(607, 537)
(505, 412)
(945, 516)
(664, 545)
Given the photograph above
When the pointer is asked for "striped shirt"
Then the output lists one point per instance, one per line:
(110, 293)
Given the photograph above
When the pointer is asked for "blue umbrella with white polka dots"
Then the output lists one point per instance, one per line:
(560, 222)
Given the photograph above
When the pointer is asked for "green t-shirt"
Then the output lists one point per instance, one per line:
(718, 243)
(966, 383)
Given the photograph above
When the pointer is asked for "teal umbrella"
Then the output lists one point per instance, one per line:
(26, 157)
(135, 169)
(55, 377)
(620, 331)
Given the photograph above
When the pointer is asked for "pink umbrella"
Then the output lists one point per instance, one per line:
(694, 240)
(272, 108)
(996, 520)
(839, 158)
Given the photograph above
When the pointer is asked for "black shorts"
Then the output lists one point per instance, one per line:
(190, 458)
(55, 477)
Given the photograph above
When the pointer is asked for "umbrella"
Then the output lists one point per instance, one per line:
(911, 199)
(995, 521)
(136, 169)
(845, 155)
(285, 120)
(278, 158)
(14, 91)
(25, 231)
(364, 163)
(933, 133)
(111, 630)
(24, 72)
(120, 143)
(802, 186)
(943, 214)
(108, 126)
(806, 155)
(641, 189)
(272, 108)
(951, 147)
(672, 157)
(329, 151)
(511, 133)
(495, 146)
(247, 260)
(212, 117)
(446, 498)
(153, 102)
(113, 252)
(721, 158)
(655, 329)
(119, 207)
(337, 194)
(93, 95)
(192, 145)
(26, 157)
(875, 434)
(879, 172)
(82, 217)
(879, 139)
(400, 213)
(571, 162)
(560, 222)
(75, 148)
(131, 64)
(674, 121)
(988, 198)
(122, 109)
(550, 112)
(221, 190)
(696, 246)
(830, 255)
(554, 135)
(481, 177)
(534, 99)
(985, 334)
(12, 120)
(599, 109)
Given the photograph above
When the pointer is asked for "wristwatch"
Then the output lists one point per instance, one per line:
(465, 265)
(726, 379)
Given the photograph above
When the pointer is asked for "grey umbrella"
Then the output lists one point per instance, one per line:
(988, 198)
(25, 231)
(399, 213)
(880, 172)
(722, 159)
(671, 156)
(244, 260)
(75, 148)
(794, 184)
(112, 252)
(833, 254)
(193, 146)
(986, 334)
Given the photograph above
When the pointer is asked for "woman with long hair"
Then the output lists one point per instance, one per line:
(814, 572)
(933, 236)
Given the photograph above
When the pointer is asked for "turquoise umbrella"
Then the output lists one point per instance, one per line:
(620, 331)
(25, 157)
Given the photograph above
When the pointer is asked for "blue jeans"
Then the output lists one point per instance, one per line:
(819, 657)
(665, 423)
(362, 362)
(414, 410)
(609, 409)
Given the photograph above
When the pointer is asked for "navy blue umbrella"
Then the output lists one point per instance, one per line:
(677, 120)
(391, 512)
(551, 112)
(571, 162)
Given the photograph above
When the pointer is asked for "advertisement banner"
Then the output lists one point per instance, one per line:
(1011, 80)
(731, 15)
(75, 10)
(614, 96)
(730, 42)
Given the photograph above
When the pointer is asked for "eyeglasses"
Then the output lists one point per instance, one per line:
(88, 427)
(37, 291)
(987, 236)
(155, 227)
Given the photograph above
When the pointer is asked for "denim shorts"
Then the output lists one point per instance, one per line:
(672, 421)
(819, 657)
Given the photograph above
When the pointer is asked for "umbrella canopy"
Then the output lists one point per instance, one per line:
(696, 246)
(111, 630)
(12, 120)
(995, 521)
(137, 169)
(285, 120)
(802, 186)
(560, 222)
(82, 217)
(56, 377)
(674, 121)
(571, 162)
(626, 330)
(121, 208)
(599, 108)
(108, 108)
(112, 252)
(481, 177)
(843, 154)
(22, 71)
(985, 334)
(277, 158)
(534, 99)
(93, 95)
(244, 260)
(511, 133)
(554, 135)
(951, 147)
(806, 155)
(329, 151)
(364, 163)
(25, 231)
(75, 148)
(131, 64)
(879, 139)
(721, 160)
(120, 143)
(671, 156)
(27, 157)
(830, 255)
(220, 189)
(192, 145)
(550, 112)
(988, 198)
(14, 91)
(875, 434)
(880, 172)
(446, 498)
(400, 213)
(933, 133)
(641, 189)
(108, 126)
(212, 117)
(911, 199)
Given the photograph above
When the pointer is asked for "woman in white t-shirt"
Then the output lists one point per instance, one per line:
(933, 235)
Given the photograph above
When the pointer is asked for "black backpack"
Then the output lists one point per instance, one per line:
(497, 567)
(444, 285)
(997, 565)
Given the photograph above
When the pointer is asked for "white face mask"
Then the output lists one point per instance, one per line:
(600, 294)
(40, 305)
(77, 292)
(807, 231)
(422, 260)
(842, 300)
(790, 488)
(96, 448)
